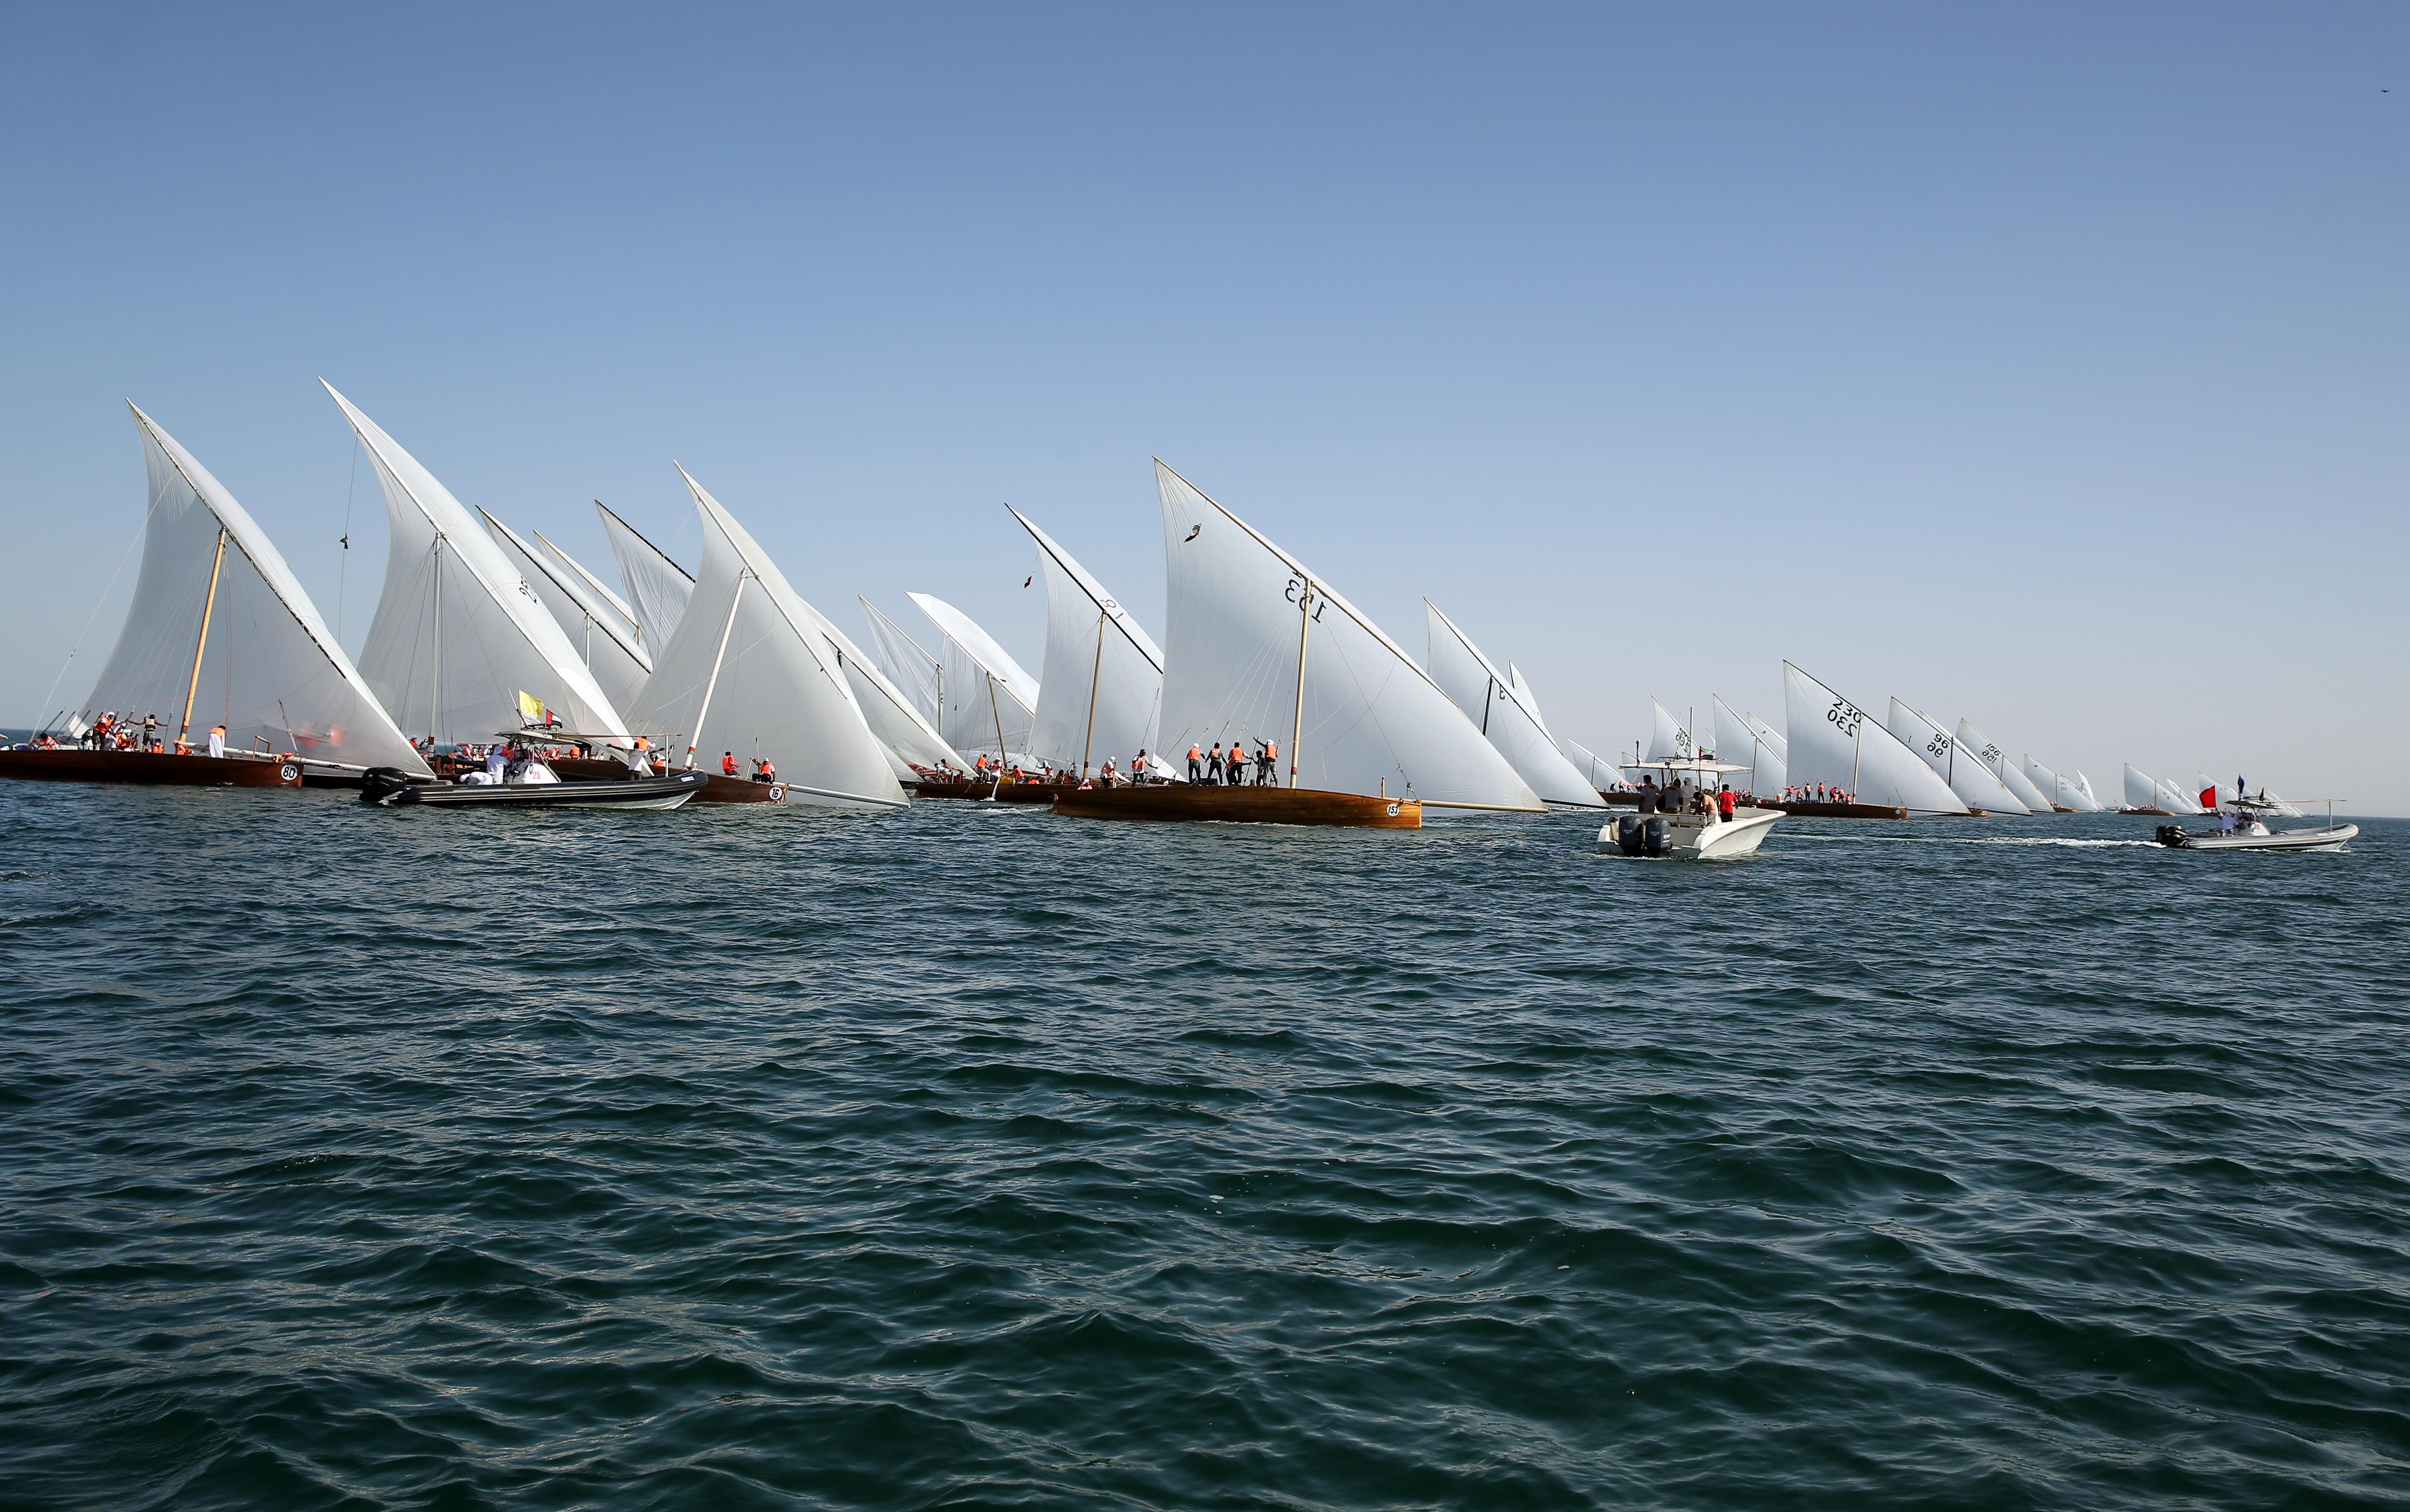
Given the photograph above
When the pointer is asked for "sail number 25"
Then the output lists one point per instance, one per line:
(1296, 586)
(1845, 717)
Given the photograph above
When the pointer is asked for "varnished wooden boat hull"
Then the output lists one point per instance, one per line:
(1182, 801)
(1807, 809)
(153, 768)
(1013, 792)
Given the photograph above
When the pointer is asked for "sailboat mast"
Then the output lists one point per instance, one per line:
(435, 676)
(1857, 753)
(712, 683)
(208, 606)
(1096, 675)
(1304, 623)
(995, 711)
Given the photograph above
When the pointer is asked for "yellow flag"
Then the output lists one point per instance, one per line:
(530, 709)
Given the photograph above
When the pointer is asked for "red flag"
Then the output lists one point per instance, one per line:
(2209, 797)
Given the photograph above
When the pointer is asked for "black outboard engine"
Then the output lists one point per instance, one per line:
(2171, 834)
(1628, 837)
(1654, 843)
(383, 784)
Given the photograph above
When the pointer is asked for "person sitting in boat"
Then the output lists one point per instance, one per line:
(728, 763)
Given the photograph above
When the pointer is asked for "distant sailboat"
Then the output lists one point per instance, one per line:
(1962, 769)
(220, 632)
(609, 650)
(1498, 712)
(1258, 647)
(459, 634)
(1996, 761)
(907, 663)
(2084, 785)
(619, 612)
(1745, 740)
(1100, 694)
(991, 703)
(1668, 739)
(658, 587)
(2051, 786)
(749, 671)
(2141, 789)
(1834, 742)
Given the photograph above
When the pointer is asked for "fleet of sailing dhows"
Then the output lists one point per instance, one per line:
(477, 623)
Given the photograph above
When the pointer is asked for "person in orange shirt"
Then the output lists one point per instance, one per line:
(1272, 763)
(1195, 765)
(728, 763)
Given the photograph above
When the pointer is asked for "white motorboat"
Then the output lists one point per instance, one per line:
(1667, 827)
(2243, 825)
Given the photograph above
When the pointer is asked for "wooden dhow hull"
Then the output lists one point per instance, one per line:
(1192, 802)
(154, 768)
(1810, 809)
(1011, 792)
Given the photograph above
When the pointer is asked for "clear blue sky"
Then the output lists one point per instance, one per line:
(2046, 365)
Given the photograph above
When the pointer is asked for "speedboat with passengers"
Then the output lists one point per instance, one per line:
(526, 781)
(1679, 817)
(2243, 825)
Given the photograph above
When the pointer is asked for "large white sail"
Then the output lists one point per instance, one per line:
(1668, 740)
(1997, 761)
(921, 675)
(990, 703)
(1834, 742)
(607, 600)
(1100, 695)
(1523, 690)
(658, 587)
(219, 623)
(2142, 788)
(1600, 774)
(1498, 712)
(1951, 761)
(1745, 741)
(459, 634)
(748, 672)
(2051, 786)
(2084, 785)
(618, 664)
(2174, 799)
(1258, 648)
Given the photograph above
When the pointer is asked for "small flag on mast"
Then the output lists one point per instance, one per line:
(531, 709)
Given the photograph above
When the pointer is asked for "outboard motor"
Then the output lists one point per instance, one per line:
(1654, 843)
(383, 784)
(2171, 834)
(1628, 837)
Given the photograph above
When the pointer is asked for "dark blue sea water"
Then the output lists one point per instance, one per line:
(974, 1157)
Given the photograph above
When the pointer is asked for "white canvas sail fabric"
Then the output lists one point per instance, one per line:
(990, 702)
(2141, 789)
(1668, 740)
(2084, 785)
(271, 669)
(749, 671)
(605, 599)
(460, 632)
(2174, 799)
(1834, 741)
(1962, 769)
(658, 587)
(2049, 784)
(1498, 712)
(913, 742)
(1602, 775)
(618, 664)
(1745, 741)
(1237, 608)
(1101, 694)
(919, 674)
(1997, 762)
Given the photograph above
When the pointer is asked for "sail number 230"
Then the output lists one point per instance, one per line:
(1296, 588)
(1845, 715)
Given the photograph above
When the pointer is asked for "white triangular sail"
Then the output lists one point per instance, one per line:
(2066, 789)
(1744, 740)
(1498, 712)
(608, 650)
(750, 673)
(2092, 799)
(990, 702)
(1962, 769)
(1602, 775)
(1668, 740)
(1523, 694)
(1257, 647)
(658, 587)
(2052, 787)
(2142, 788)
(1834, 742)
(459, 634)
(2174, 799)
(907, 664)
(605, 597)
(1101, 694)
(248, 651)
(1997, 761)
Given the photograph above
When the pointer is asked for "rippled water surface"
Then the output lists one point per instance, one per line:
(975, 1157)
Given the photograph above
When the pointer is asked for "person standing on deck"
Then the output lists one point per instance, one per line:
(1726, 803)
(1196, 763)
(1237, 772)
(1271, 762)
(150, 731)
(1213, 765)
(217, 740)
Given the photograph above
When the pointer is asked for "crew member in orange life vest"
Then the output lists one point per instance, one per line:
(728, 763)
(1268, 774)
(1195, 765)
(765, 770)
(1213, 765)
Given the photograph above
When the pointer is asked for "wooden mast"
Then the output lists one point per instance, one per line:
(997, 712)
(208, 606)
(1304, 621)
(1096, 675)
